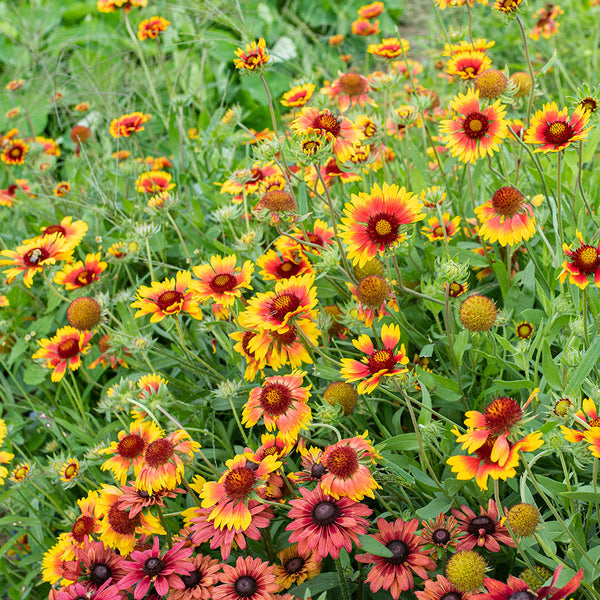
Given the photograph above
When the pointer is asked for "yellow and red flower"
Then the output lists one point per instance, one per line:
(108, 6)
(72, 231)
(437, 231)
(14, 85)
(64, 350)
(296, 567)
(89, 521)
(373, 222)
(250, 579)
(284, 264)
(57, 558)
(588, 417)
(377, 363)
(507, 218)
(581, 263)
(507, 6)
(253, 180)
(298, 95)
(347, 463)
(169, 297)
(128, 124)
(553, 130)
(364, 27)
(389, 48)
(254, 58)
(370, 11)
(14, 151)
(485, 530)
(128, 451)
(69, 470)
(329, 172)
(477, 131)
(152, 27)
(282, 402)
(162, 467)
(34, 255)
(546, 25)
(221, 281)
(338, 130)
(81, 273)
(62, 188)
(441, 587)
(468, 64)
(350, 89)
(153, 182)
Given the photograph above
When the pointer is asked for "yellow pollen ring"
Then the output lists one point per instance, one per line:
(383, 227)
(557, 128)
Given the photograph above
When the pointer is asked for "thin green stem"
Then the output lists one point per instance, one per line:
(530, 66)
(190, 353)
(343, 584)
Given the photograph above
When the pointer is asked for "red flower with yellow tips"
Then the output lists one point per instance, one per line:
(350, 89)
(370, 11)
(373, 222)
(434, 230)
(72, 231)
(254, 58)
(364, 27)
(475, 132)
(170, 297)
(469, 64)
(298, 95)
(553, 130)
(14, 151)
(389, 48)
(127, 125)
(340, 131)
(377, 363)
(81, 274)
(152, 27)
(154, 182)
(108, 6)
(64, 351)
(282, 402)
(588, 416)
(35, 254)
(329, 172)
(276, 266)
(581, 263)
(230, 495)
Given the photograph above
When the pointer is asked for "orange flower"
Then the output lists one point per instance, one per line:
(61, 189)
(14, 85)
(298, 95)
(254, 58)
(152, 27)
(365, 27)
(467, 65)
(435, 230)
(170, 297)
(14, 151)
(82, 107)
(153, 182)
(588, 414)
(389, 48)
(81, 274)
(284, 264)
(108, 6)
(369, 11)
(64, 350)
(128, 124)
(350, 89)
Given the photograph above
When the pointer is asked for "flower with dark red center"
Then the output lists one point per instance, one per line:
(152, 28)
(350, 89)
(250, 579)
(298, 95)
(374, 222)
(127, 125)
(484, 530)
(440, 589)
(389, 48)
(254, 58)
(77, 591)
(14, 152)
(283, 264)
(128, 451)
(553, 130)
(97, 564)
(440, 533)
(63, 351)
(149, 567)
(581, 263)
(325, 525)
(296, 567)
(468, 64)
(81, 273)
(395, 573)
(283, 404)
(377, 363)
(347, 464)
(199, 584)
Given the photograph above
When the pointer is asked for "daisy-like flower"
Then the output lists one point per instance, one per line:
(221, 281)
(229, 496)
(324, 525)
(396, 573)
(152, 27)
(72, 231)
(282, 402)
(56, 559)
(107, 357)
(134, 500)
(364, 27)
(329, 171)
(589, 415)
(339, 130)
(581, 263)
(296, 567)
(440, 532)
(298, 95)
(350, 89)
(202, 528)
(96, 564)
(370, 11)
(76, 591)
(35, 254)
(506, 218)
(373, 222)
(254, 58)
(481, 466)
(469, 64)
(82, 107)
(251, 180)
(199, 584)
(88, 523)
(14, 85)
(389, 48)
(127, 125)
(508, 7)
(151, 568)
(20, 472)
(163, 466)
(440, 589)
(62, 188)
(437, 231)
(64, 350)
(291, 303)
(153, 182)
(68, 470)
(347, 463)
(170, 297)
(476, 132)
(117, 528)
(128, 451)
(485, 530)
(377, 363)
(14, 151)
(108, 6)
(253, 363)
(288, 263)
(546, 25)
(250, 579)
(81, 273)
(553, 130)
(374, 295)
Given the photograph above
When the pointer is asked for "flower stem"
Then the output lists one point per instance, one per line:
(343, 584)
(531, 73)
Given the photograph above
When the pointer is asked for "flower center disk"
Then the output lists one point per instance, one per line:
(275, 399)
(342, 462)
(170, 300)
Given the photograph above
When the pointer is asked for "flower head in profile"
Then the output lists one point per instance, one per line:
(553, 130)
(581, 263)
(365, 27)
(63, 351)
(127, 125)
(154, 182)
(298, 96)
(81, 273)
(377, 362)
(152, 27)
(324, 525)
(389, 48)
(374, 222)
(254, 58)
(587, 414)
(250, 579)
(167, 298)
(475, 132)
(395, 573)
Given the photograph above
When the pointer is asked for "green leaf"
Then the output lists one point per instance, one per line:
(404, 441)
(320, 583)
(584, 493)
(372, 546)
(548, 65)
(587, 363)
(34, 374)
(550, 369)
